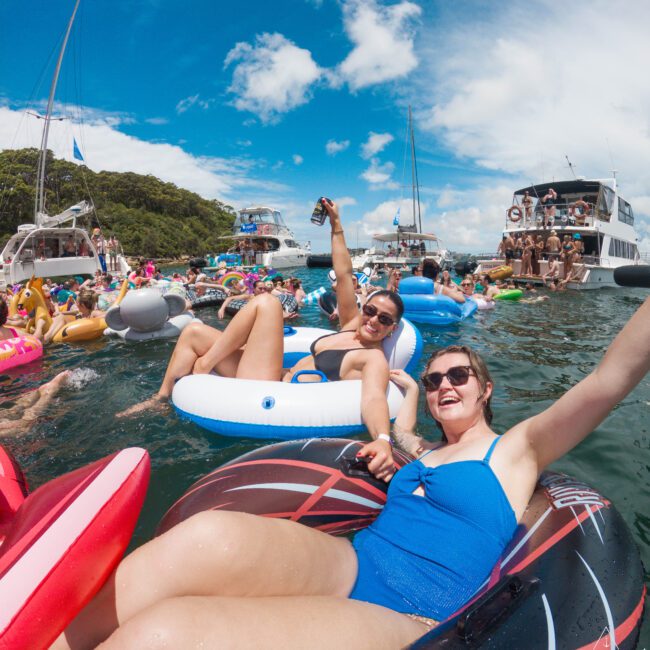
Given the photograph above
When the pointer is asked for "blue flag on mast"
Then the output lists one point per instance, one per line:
(396, 217)
(76, 153)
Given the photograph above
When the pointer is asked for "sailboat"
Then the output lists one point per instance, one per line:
(407, 244)
(52, 246)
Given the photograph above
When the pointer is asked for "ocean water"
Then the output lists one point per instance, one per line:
(534, 352)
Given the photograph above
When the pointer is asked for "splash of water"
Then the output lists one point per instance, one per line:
(79, 377)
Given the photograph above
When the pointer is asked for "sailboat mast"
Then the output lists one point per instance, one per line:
(414, 177)
(40, 176)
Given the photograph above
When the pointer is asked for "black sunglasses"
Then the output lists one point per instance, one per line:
(465, 284)
(384, 319)
(457, 376)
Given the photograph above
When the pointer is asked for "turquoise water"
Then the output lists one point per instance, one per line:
(535, 352)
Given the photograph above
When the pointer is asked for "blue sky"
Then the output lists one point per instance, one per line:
(278, 103)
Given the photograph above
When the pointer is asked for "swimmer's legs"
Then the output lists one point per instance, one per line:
(218, 554)
(282, 623)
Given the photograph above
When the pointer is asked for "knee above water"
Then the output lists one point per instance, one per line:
(214, 531)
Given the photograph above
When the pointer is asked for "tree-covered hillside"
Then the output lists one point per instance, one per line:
(149, 217)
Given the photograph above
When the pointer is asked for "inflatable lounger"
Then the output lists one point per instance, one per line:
(60, 543)
(283, 410)
(421, 305)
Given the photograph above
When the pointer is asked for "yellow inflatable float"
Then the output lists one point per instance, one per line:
(500, 272)
(86, 329)
(32, 300)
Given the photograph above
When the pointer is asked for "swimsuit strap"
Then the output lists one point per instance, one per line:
(312, 347)
(491, 449)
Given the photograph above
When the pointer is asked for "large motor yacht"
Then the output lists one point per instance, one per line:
(262, 237)
(593, 211)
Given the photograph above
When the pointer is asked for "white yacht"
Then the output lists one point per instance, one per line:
(395, 249)
(591, 209)
(406, 244)
(48, 247)
(262, 237)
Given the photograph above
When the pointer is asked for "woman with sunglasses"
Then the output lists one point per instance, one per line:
(448, 516)
(251, 347)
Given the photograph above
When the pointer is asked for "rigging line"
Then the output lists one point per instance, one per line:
(403, 183)
(416, 180)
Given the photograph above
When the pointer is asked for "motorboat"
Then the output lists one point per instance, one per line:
(263, 238)
(591, 211)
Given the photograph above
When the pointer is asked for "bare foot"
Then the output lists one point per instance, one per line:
(155, 404)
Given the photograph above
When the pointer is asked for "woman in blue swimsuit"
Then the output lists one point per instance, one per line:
(251, 347)
(233, 580)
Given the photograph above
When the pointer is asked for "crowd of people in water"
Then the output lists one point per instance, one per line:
(398, 578)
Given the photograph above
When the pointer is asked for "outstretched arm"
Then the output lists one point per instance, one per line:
(405, 435)
(345, 296)
(578, 412)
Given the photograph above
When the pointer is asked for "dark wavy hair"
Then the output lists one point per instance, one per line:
(4, 311)
(480, 370)
(393, 297)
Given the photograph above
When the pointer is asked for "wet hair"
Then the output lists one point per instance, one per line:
(430, 269)
(4, 312)
(88, 299)
(480, 370)
(393, 297)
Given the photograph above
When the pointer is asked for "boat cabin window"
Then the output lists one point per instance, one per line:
(605, 203)
(625, 214)
(290, 243)
(266, 244)
(620, 248)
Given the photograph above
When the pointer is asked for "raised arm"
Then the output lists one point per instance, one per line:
(578, 412)
(342, 263)
(404, 434)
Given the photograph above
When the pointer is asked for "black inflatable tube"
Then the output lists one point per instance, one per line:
(637, 275)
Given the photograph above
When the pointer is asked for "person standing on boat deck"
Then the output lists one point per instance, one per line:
(100, 246)
(113, 246)
(549, 200)
(527, 202)
(435, 542)
(553, 246)
(509, 248)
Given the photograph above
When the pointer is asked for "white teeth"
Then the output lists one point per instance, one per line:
(448, 400)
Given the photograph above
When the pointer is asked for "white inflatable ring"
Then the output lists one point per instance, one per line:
(287, 411)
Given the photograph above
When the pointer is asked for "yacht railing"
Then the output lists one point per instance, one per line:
(264, 229)
(555, 215)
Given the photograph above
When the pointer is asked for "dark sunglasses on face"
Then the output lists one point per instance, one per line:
(457, 376)
(384, 319)
(465, 284)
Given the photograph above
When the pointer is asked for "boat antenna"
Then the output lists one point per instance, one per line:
(571, 167)
(414, 175)
(611, 159)
(42, 158)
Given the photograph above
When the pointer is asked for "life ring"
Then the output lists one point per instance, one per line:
(265, 229)
(509, 294)
(568, 529)
(19, 350)
(515, 213)
(584, 207)
(287, 411)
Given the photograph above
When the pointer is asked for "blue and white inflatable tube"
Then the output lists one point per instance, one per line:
(421, 305)
(288, 411)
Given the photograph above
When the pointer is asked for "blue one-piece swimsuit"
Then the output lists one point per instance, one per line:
(428, 555)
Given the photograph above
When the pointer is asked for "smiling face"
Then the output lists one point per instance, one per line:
(371, 329)
(459, 407)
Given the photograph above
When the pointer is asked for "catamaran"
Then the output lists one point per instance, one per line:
(52, 246)
(407, 244)
(591, 211)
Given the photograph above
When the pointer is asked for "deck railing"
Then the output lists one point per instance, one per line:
(558, 214)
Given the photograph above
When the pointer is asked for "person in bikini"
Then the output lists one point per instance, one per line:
(251, 347)
(448, 517)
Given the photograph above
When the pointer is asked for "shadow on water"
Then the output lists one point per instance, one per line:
(534, 351)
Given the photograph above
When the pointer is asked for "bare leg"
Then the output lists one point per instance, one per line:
(286, 623)
(218, 554)
(201, 348)
(32, 406)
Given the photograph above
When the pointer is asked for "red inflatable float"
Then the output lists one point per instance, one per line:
(60, 543)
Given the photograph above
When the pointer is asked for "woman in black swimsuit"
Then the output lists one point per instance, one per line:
(251, 347)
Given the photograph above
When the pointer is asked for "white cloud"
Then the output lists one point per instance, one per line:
(106, 148)
(157, 121)
(380, 219)
(376, 142)
(510, 100)
(379, 175)
(383, 42)
(333, 147)
(194, 100)
(271, 77)
(345, 200)
(297, 159)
